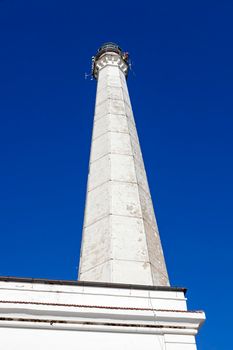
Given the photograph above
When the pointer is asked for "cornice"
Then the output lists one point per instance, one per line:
(104, 319)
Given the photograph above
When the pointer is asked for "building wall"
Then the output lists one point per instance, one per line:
(44, 315)
(41, 339)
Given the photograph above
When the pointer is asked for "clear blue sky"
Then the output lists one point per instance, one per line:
(181, 90)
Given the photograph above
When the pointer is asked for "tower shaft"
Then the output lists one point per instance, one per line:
(120, 241)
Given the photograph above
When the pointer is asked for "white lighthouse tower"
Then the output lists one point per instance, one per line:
(123, 298)
(121, 241)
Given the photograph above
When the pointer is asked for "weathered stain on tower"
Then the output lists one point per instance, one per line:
(121, 240)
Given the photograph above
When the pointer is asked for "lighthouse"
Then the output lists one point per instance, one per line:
(121, 242)
(123, 298)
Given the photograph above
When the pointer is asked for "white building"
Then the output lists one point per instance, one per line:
(123, 298)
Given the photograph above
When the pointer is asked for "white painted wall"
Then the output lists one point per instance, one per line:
(44, 315)
(43, 339)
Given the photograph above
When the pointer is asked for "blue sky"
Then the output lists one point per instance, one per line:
(181, 89)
